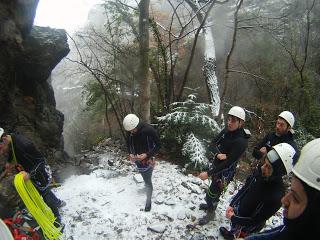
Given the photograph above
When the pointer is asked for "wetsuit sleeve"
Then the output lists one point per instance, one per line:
(263, 212)
(243, 189)
(233, 156)
(37, 171)
(256, 151)
(213, 148)
(296, 156)
(40, 176)
(130, 146)
(153, 143)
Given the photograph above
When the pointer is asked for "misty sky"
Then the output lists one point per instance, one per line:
(63, 14)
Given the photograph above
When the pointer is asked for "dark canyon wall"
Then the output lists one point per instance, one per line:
(28, 54)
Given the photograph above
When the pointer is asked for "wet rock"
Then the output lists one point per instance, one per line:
(159, 199)
(169, 216)
(181, 215)
(186, 185)
(196, 181)
(170, 202)
(110, 162)
(157, 228)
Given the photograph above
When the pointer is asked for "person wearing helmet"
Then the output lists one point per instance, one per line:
(301, 204)
(226, 150)
(143, 143)
(283, 134)
(20, 153)
(260, 196)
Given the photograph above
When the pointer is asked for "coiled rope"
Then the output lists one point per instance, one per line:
(37, 207)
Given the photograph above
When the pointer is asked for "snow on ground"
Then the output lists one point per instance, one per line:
(107, 204)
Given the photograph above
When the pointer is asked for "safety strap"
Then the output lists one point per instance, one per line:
(13, 152)
(19, 226)
(18, 166)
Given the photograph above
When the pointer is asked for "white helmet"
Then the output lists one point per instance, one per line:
(286, 153)
(288, 116)
(237, 112)
(308, 166)
(130, 122)
(5, 232)
(1, 132)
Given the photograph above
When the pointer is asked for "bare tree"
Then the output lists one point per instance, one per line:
(229, 55)
(144, 94)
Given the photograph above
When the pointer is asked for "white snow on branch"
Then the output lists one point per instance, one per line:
(194, 149)
(209, 71)
(178, 118)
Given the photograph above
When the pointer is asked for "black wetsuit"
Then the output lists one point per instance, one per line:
(27, 158)
(233, 144)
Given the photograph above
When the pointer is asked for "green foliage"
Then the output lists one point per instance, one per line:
(93, 94)
(187, 128)
(302, 136)
(311, 120)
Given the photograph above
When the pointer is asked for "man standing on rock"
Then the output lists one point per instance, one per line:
(143, 143)
(226, 149)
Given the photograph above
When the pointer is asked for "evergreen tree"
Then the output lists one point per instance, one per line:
(187, 128)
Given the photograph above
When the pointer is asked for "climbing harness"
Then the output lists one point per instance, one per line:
(20, 228)
(37, 207)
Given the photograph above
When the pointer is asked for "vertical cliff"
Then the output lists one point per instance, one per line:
(28, 54)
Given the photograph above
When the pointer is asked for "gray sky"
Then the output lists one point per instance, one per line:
(64, 14)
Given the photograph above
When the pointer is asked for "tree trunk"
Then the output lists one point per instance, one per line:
(210, 72)
(227, 65)
(145, 84)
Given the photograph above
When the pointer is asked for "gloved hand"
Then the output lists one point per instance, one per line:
(26, 175)
(203, 175)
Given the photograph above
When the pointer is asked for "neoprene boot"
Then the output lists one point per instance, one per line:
(210, 214)
(203, 206)
(147, 208)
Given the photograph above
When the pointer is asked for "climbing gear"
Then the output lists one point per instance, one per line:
(215, 195)
(226, 233)
(234, 233)
(37, 207)
(286, 153)
(143, 165)
(288, 116)
(130, 122)
(20, 228)
(237, 112)
(308, 166)
(13, 153)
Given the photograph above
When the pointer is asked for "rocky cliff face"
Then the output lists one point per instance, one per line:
(28, 54)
